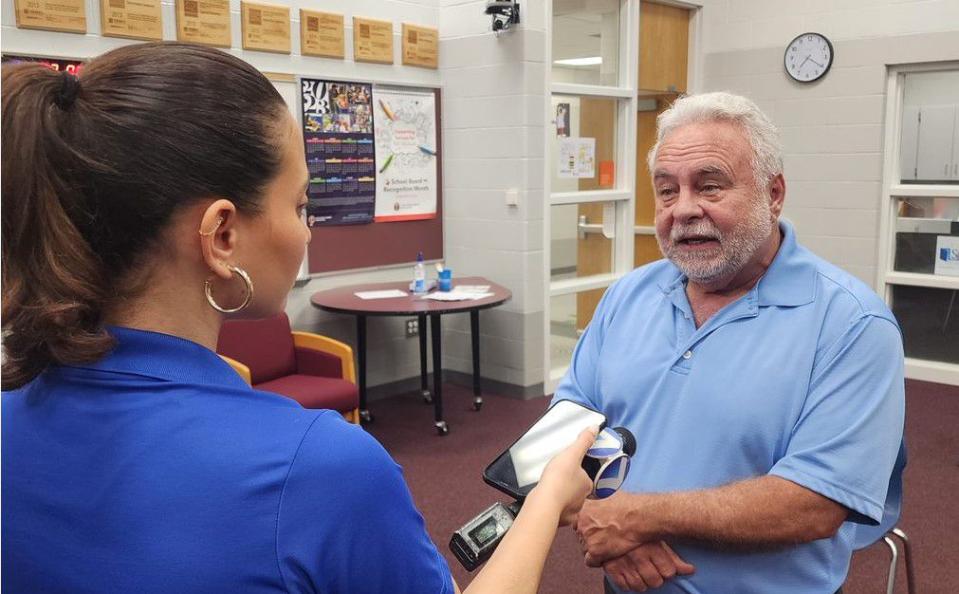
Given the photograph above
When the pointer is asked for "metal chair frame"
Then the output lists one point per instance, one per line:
(894, 560)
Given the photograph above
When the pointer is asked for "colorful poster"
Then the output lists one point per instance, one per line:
(338, 133)
(577, 157)
(405, 154)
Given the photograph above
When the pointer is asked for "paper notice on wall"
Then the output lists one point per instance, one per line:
(405, 129)
(947, 255)
(577, 157)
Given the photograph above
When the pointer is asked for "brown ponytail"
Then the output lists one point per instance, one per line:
(94, 168)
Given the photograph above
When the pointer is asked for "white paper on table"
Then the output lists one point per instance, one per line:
(471, 289)
(388, 294)
(457, 296)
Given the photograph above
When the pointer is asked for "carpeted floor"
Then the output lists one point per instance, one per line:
(444, 474)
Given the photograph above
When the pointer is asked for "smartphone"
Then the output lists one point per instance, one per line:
(517, 470)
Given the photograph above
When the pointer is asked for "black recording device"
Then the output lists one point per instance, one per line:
(517, 470)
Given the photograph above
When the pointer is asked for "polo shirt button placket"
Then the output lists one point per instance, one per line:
(688, 355)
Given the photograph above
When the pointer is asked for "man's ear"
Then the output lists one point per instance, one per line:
(777, 194)
(218, 235)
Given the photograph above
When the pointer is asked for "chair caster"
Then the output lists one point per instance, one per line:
(427, 397)
(442, 428)
(365, 416)
(477, 403)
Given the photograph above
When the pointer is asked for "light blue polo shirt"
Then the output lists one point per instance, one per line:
(800, 378)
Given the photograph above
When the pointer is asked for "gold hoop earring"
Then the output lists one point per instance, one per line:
(208, 291)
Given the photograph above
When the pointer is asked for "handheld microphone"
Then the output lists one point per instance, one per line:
(607, 460)
(606, 463)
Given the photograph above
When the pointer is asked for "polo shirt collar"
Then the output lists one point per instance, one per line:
(789, 281)
(165, 357)
(791, 278)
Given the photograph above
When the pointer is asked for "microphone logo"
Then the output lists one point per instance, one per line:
(607, 461)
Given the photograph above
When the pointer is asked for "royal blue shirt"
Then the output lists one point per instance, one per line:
(157, 469)
(801, 378)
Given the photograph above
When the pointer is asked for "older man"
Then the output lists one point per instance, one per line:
(763, 384)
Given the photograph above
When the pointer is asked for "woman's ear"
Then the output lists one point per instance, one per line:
(218, 236)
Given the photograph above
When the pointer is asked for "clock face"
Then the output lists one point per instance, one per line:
(808, 57)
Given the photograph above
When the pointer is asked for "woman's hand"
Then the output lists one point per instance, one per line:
(564, 483)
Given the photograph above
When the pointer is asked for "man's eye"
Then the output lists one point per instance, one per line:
(710, 188)
(665, 192)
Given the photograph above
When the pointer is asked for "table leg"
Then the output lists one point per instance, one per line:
(365, 415)
(424, 378)
(475, 336)
(436, 332)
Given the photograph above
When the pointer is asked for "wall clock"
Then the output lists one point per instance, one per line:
(808, 57)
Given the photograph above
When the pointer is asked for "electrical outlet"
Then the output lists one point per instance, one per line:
(412, 327)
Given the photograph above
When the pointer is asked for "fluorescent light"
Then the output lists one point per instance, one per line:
(594, 61)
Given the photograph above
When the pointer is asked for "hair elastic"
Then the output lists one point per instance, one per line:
(68, 91)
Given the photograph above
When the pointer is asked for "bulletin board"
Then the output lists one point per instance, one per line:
(375, 244)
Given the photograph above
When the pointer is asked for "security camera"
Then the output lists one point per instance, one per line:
(505, 13)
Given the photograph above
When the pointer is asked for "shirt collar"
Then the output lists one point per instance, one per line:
(165, 357)
(791, 278)
(789, 281)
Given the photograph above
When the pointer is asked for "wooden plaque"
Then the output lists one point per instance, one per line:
(204, 21)
(420, 46)
(133, 19)
(69, 16)
(265, 27)
(321, 34)
(372, 41)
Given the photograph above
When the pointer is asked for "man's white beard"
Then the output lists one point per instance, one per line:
(736, 248)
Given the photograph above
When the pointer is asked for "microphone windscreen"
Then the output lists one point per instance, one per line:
(629, 442)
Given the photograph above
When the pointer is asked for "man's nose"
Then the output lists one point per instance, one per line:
(687, 206)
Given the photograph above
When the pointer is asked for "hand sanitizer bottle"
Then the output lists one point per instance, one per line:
(419, 276)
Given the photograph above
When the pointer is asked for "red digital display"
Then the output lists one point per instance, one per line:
(71, 66)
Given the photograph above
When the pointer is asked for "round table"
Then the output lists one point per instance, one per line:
(344, 300)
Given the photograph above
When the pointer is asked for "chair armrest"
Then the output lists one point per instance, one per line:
(341, 350)
(240, 369)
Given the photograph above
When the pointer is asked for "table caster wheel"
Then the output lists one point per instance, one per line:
(427, 397)
(365, 416)
(442, 428)
(477, 403)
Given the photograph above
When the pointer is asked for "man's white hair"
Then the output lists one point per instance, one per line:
(767, 161)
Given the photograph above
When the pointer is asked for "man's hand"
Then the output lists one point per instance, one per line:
(604, 530)
(647, 566)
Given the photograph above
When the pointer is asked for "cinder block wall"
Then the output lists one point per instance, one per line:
(832, 130)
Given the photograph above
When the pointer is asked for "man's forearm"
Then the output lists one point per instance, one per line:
(756, 513)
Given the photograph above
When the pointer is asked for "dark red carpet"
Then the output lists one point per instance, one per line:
(444, 474)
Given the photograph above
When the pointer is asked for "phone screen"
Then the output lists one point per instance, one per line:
(517, 470)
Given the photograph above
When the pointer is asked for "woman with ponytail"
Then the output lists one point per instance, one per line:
(145, 201)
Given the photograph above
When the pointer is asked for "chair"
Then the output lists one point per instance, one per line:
(894, 560)
(314, 370)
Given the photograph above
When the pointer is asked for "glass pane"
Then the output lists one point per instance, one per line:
(930, 322)
(583, 149)
(568, 317)
(578, 243)
(586, 42)
(929, 139)
(925, 226)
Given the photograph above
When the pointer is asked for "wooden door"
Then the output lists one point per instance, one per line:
(663, 46)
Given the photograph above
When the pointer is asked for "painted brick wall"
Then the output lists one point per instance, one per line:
(832, 130)
(494, 101)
